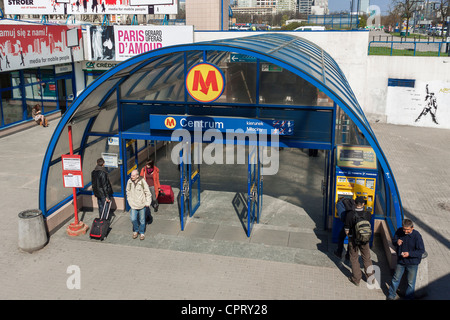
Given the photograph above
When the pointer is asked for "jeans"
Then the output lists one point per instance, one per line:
(101, 204)
(138, 220)
(411, 274)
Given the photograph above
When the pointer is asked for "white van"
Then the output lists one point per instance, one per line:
(310, 28)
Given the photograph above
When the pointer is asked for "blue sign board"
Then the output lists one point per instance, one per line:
(239, 57)
(221, 124)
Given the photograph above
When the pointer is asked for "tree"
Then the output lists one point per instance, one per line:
(405, 9)
(444, 12)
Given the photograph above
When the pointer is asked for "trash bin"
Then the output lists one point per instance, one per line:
(32, 231)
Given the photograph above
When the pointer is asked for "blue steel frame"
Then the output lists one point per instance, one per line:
(297, 55)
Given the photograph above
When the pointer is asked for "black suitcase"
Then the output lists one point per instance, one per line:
(100, 226)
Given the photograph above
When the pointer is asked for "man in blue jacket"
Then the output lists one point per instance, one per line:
(410, 248)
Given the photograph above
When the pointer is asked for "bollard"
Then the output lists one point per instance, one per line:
(32, 232)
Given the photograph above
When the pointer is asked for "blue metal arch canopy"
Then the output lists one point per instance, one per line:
(299, 56)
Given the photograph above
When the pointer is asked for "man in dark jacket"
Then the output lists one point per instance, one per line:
(410, 248)
(354, 246)
(101, 185)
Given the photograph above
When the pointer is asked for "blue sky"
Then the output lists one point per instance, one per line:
(337, 5)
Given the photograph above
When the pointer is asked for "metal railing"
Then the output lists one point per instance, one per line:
(424, 47)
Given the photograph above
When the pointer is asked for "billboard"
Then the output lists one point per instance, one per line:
(118, 43)
(44, 7)
(29, 46)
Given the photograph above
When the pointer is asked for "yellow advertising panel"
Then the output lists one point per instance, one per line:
(353, 186)
(360, 157)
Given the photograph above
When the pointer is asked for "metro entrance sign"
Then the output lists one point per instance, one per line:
(222, 124)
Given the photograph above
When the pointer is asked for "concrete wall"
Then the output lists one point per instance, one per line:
(375, 101)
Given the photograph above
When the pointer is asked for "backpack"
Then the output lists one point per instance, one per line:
(363, 228)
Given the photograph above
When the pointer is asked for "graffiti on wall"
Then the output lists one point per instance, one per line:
(418, 103)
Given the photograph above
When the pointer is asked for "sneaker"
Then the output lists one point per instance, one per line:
(142, 236)
(135, 234)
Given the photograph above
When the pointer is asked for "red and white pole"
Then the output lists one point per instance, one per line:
(77, 227)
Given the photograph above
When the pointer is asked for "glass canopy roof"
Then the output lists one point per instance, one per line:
(158, 77)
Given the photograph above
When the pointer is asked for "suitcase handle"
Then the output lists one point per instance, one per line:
(104, 209)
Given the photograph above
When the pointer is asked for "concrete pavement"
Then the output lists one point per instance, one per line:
(170, 265)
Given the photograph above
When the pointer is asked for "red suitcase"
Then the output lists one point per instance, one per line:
(165, 194)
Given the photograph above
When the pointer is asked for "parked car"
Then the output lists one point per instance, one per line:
(309, 28)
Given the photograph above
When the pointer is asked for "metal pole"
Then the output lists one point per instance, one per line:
(75, 206)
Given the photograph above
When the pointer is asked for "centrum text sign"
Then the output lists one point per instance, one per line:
(222, 124)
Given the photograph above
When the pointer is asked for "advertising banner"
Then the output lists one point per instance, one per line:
(29, 46)
(118, 43)
(134, 40)
(44, 7)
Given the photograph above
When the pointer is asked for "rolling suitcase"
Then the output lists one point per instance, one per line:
(100, 226)
(165, 194)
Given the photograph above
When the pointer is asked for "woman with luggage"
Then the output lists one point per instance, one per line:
(151, 175)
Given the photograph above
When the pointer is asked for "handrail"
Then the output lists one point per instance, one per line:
(392, 42)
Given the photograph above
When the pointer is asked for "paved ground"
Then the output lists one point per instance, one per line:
(212, 258)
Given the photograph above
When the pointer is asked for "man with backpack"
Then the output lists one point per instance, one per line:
(343, 206)
(359, 230)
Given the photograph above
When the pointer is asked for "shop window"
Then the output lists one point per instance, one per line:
(12, 110)
(90, 77)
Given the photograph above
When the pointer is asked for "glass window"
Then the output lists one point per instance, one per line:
(280, 86)
(62, 146)
(97, 95)
(33, 96)
(96, 146)
(69, 90)
(91, 76)
(15, 82)
(240, 77)
(12, 110)
(162, 79)
(55, 189)
(106, 121)
(347, 132)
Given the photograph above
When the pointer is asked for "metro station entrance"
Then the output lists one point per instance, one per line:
(188, 182)
(280, 83)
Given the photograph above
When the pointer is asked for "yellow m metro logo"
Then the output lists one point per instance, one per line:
(205, 82)
(170, 122)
